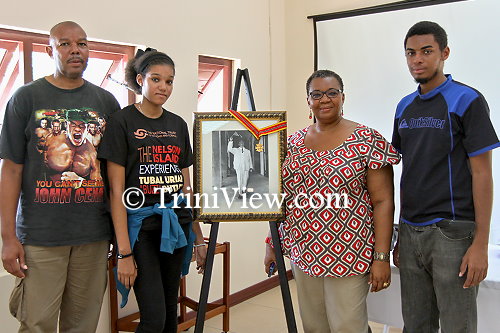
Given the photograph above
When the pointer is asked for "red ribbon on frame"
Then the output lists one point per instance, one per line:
(257, 132)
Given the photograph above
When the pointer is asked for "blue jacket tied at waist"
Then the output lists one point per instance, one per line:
(172, 235)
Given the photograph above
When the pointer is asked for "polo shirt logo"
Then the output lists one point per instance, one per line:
(423, 122)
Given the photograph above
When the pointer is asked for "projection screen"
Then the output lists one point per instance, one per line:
(367, 51)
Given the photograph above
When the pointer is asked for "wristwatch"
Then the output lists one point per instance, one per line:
(381, 256)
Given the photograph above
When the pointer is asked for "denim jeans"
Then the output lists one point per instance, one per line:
(431, 290)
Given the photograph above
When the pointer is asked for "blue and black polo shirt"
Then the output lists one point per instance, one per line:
(436, 133)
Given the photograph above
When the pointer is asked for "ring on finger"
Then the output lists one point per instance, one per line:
(386, 284)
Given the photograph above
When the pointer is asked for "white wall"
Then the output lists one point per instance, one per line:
(300, 50)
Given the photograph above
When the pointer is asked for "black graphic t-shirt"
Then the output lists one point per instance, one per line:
(153, 152)
(55, 133)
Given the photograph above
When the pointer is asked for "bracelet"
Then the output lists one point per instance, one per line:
(122, 256)
(268, 240)
(381, 256)
(198, 245)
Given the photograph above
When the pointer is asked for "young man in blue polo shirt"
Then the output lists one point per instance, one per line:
(445, 136)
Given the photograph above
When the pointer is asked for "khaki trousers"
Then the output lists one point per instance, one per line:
(328, 304)
(61, 281)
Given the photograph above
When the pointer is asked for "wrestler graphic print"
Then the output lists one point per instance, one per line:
(68, 141)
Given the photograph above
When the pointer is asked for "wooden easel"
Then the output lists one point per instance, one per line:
(214, 229)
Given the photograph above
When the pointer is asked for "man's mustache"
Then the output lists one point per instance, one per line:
(72, 59)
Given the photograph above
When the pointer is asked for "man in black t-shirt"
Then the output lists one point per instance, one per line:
(445, 136)
(57, 244)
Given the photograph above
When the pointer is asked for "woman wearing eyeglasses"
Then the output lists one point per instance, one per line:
(338, 180)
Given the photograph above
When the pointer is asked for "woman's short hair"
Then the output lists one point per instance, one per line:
(322, 73)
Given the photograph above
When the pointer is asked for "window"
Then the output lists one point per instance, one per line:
(11, 73)
(214, 83)
(23, 59)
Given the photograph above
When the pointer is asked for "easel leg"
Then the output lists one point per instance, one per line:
(225, 287)
(207, 277)
(285, 289)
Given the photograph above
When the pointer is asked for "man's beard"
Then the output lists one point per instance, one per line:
(425, 80)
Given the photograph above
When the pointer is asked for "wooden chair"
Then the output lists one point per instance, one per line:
(186, 319)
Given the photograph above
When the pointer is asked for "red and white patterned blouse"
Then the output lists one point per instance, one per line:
(333, 240)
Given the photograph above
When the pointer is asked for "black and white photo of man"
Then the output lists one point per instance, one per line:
(242, 162)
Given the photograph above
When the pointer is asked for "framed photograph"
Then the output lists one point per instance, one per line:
(237, 177)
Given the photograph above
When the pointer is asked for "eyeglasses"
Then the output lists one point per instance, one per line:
(330, 93)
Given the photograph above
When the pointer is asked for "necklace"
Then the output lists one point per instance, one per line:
(139, 107)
